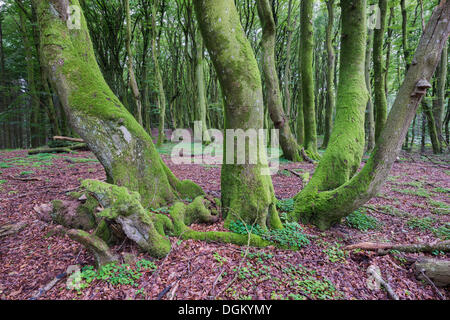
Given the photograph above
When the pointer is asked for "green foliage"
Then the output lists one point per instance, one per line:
(115, 274)
(438, 207)
(443, 232)
(291, 236)
(285, 205)
(361, 221)
(421, 192)
(429, 224)
(220, 260)
(335, 253)
(441, 190)
(26, 173)
(308, 283)
(423, 224)
(165, 210)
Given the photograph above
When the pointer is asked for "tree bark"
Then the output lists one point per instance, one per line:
(274, 101)
(329, 207)
(331, 57)
(380, 101)
(133, 82)
(122, 146)
(247, 194)
(370, 121)
(307, 78)
(343, 155)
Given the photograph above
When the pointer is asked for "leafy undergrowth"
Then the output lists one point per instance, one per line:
(412, 207)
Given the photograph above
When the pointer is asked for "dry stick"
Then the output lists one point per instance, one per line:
(381, 281)
(210, 293)
(433, 285)
(68, 139)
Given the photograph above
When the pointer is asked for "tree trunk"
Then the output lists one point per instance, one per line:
(200, 81)
(370, 121)
(331, 99)
(343, 155)
(274, 102)
(380, 101)
(329, 207)
(439, 101)
(307, 78)
(133, 82)
(432, 130)
(123, 147)
(247, 193)
(161, 99)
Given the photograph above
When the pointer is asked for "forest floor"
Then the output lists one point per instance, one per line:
(412, 207)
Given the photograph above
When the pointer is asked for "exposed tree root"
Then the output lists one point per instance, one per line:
(111, 213)
(95, 245)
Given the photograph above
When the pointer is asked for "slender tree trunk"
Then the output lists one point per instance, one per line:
(31, 82)
(380, 101)
(331, 98)
(370, 121)
(287, 69)
(439, 100)
(288, 144)
(247, 193)
(307, 78)
(161, 99)
(329, 207)
(200, 84)
(432, 127)
(388, 50)
(133, 82)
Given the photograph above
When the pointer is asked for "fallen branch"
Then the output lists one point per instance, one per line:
(68, 139)
(68, 149)
(443, 246)
(377, 276)
(11, 228)
(438, 271)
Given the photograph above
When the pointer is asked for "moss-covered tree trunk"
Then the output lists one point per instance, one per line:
(380, 101)
(331, 57)
(345, 149)
(200, 83)
(133, 82)
(370, 121)
(288, 143)
(331, 206)
(307, 77)
(439, 100)
(123, 147)
(161, 97)
(435, 143)
(247, 194)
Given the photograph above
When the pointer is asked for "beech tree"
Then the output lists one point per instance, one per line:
(328, 207)
(247, 194)
(291, 150)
